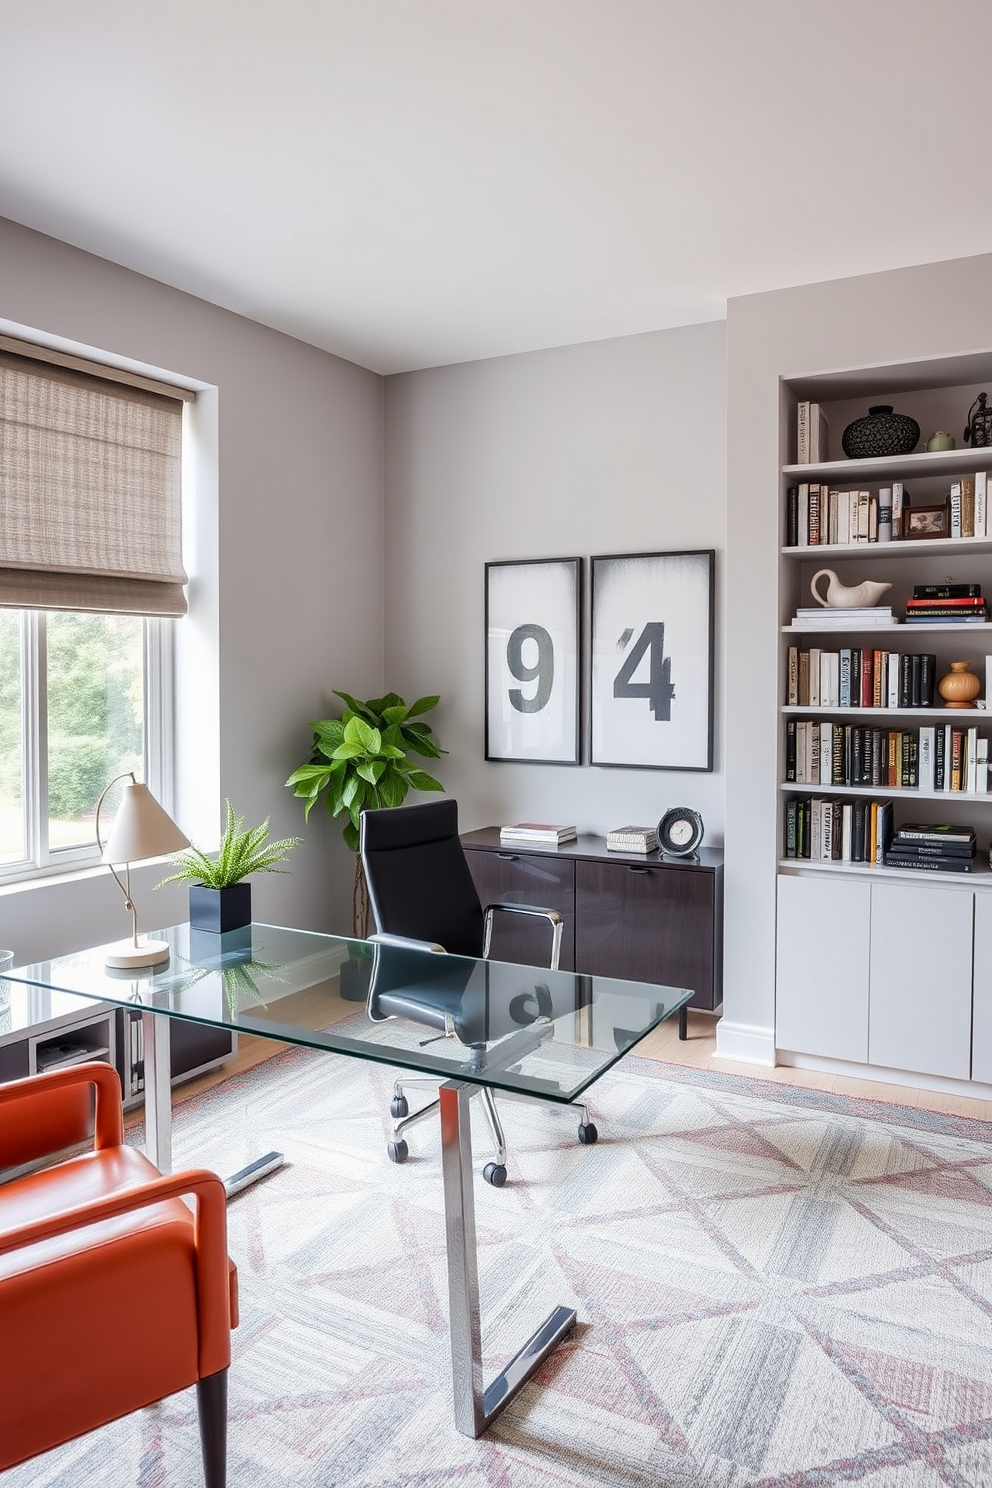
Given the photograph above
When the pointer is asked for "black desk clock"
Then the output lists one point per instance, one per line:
(680, 832)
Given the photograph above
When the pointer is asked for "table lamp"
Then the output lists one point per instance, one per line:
(142, 829)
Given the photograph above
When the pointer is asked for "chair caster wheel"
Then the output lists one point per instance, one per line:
(494, 1173)
(399, 1107)
(398, 1151)
(587, 1134)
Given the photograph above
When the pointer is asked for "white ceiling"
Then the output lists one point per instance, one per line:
(415, 182)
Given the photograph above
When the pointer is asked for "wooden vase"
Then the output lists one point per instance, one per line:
(960, 687)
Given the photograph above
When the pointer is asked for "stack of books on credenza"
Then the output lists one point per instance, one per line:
(632, 839)
(946, 604)
(542, 834)
(941, 849)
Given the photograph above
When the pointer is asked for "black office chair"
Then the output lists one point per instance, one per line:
(424, 898)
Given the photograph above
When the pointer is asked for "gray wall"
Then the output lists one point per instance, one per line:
(611, 447)
(286, 591)
(874, 320)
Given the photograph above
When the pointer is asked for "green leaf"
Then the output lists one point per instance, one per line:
(423, 705)
(420, 780)
(393, 789)
(371, 770)
(394, 715)
(351, 750)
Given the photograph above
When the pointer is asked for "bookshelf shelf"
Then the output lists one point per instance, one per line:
(883, 792)
(979, 878)
(905, 631)
(918, 547)
(899, 467)
(918, 715)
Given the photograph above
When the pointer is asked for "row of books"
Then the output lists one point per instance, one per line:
(815, 515)
(859, 677)
(826, 830)
(819, 829)
(932, 758)
(812, 434)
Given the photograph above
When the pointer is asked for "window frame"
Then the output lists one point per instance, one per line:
(40, 860)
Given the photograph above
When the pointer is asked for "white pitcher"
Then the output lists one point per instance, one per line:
(843, 597)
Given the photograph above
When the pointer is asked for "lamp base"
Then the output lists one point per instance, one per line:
(146, 953)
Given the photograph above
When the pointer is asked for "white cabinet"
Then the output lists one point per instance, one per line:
(981, 1032)
(821, 1004)
(919, 980)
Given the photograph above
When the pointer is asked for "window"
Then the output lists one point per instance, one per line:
(83, 697)
(90, 570)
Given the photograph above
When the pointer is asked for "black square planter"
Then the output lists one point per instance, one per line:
(220, 910)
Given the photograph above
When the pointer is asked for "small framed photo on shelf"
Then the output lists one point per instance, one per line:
(926, 521)
(533, 634)
(651, 660)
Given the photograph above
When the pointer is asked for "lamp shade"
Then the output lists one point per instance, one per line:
(142, 829)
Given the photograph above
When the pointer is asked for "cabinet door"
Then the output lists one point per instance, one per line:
(526, 878)
(981, 1033)
(651, 922)
(921, 945)
(821, 988)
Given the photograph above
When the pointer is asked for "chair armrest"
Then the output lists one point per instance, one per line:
(103, 1078)
(551, 915)
(213, 1287)
(406, 942)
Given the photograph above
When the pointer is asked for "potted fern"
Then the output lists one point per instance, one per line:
(362, 759)
(219, 897)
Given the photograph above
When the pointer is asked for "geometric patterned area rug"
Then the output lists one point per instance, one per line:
(776, 1288)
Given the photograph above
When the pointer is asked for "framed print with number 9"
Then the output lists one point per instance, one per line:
(651, 698)
(533, 611)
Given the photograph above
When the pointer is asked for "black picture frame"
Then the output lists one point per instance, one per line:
(651, 660)
(533, 650)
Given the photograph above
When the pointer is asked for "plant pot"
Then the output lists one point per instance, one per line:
(220, 910)
(355, 976)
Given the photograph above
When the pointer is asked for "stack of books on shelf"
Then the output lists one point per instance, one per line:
(946, 604)
(860, 677)
(543, 833)
(937, 757)
(968, 502)
(632, 839)
(941, 849)
(819, 617)
(824, 830)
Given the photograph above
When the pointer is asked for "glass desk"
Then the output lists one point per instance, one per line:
(467, 1023)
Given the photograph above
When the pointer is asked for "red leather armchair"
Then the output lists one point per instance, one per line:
(113, 1292)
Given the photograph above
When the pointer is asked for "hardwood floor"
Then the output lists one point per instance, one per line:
(663, 1044)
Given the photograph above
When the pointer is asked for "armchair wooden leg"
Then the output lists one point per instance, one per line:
(211, 1404)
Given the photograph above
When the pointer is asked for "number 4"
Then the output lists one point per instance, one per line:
(658, 689)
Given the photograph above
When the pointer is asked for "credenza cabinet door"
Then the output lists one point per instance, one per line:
(921, 967)
(526, 878)
(650, 923)
(981, 1033)
(821, 1001)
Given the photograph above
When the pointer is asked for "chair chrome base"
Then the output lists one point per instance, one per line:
(476, 1406)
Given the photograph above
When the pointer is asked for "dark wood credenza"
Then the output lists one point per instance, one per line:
(643, 916)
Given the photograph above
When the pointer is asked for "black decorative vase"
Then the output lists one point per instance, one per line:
(220, 910)
(881, 433)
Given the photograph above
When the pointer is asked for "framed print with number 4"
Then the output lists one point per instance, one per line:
(533, 624)
(651, 662)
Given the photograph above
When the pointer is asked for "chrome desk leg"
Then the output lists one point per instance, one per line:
(155, 1044)
(155, 1038)
(475, 1406)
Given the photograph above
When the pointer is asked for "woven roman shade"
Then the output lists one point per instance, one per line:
(90, 511)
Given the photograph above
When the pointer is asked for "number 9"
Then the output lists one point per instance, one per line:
(543, 670)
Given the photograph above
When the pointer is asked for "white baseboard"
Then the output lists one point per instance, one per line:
(940, 1084)
(746, 1042)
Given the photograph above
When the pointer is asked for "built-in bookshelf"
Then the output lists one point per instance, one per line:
(925, 480)
(861, 946)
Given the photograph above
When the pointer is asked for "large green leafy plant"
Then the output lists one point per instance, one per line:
(362, 759)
